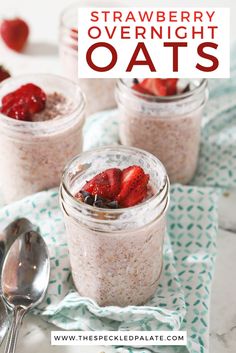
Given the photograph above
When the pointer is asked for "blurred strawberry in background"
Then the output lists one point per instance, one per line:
(3, 73)
(14, 33)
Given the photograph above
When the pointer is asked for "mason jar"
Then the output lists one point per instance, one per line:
(99, 92)
(168, 127)
(116, 255)
(34, 154)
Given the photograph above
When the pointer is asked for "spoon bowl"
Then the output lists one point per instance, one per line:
(25, 277)
(11, 233)
(7, 238)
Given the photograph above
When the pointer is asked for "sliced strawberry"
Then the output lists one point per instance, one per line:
(129, 179)
(3, 73)
(114, 178)
(28, 99)
(133, 186)
(137, 195)
(123, 188)
(34, 97)
(14, 33)
(105, 184)
(139, 88)
(157, 86)
(171, 85)
(17, 111)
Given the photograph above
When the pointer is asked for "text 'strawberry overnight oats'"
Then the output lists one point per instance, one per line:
(114, 202)
(99, 92)
(41, 120)
(163, 117)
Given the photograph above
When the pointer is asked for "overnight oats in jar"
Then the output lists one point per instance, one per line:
(99, 92)
(41, 120)
(114, 201)
(163, 117)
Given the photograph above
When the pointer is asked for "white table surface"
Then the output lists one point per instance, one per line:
(41, 56)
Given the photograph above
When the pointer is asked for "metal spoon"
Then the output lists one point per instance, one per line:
(7, 237)
(10, 233)
(25, 277)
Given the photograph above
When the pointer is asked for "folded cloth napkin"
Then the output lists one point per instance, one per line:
(181, 301)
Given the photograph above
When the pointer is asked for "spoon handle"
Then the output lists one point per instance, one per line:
(18, 314)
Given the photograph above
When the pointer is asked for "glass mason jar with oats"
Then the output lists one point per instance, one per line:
(166, 125)
(34, 151)
(116, 255)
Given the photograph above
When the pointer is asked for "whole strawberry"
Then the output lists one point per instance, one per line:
(14, 33)
(3, 73)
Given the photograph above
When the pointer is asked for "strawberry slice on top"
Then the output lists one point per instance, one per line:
(126, 187)
(140, 87)
(105, 184)
(171, 86)
(24, 102)
(157, 86)
(134, 183)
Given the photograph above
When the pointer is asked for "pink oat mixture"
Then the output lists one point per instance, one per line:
(174, 140)
(57, 106)
(119, 269)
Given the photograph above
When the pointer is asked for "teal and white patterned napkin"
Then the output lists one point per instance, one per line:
(182, 298)
(217, 162)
